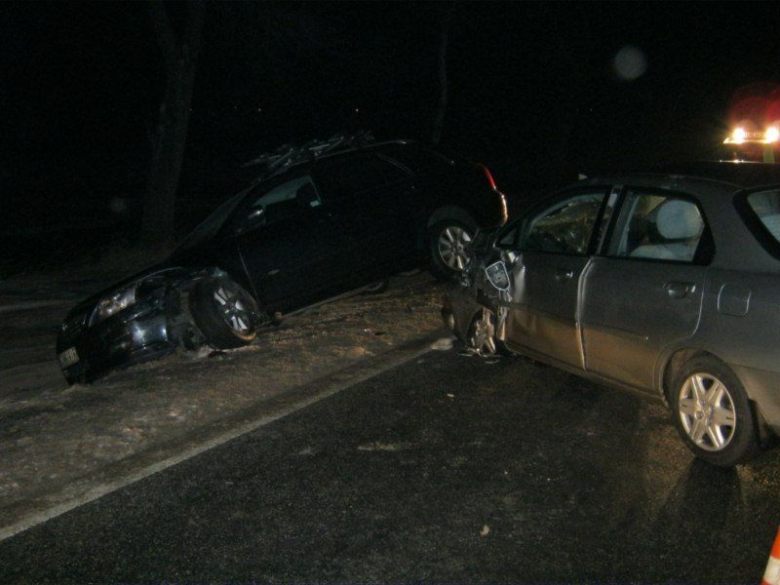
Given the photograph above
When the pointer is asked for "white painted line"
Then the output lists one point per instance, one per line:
(329, 389)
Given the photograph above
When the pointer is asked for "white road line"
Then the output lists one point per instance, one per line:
(330, 387)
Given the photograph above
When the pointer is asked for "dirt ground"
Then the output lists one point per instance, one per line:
(52, 436)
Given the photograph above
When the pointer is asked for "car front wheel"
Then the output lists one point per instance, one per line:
(224, 312)
(712, 413)
(482, 337)
(449, 241)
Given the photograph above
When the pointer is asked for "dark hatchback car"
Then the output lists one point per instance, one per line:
(322, 221)
(665, 282)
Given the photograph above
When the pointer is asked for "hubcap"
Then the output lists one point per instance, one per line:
(452, 245)
(233, 309)
(707, 412)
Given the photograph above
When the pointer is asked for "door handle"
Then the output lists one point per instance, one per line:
(679, 290)
(562, 274)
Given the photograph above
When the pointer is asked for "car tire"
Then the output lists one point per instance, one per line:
(481, 335)
(225, 313)
(448, 241)
(712, 413)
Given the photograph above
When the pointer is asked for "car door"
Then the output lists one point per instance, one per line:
(298, 253)
(554, 246)
(645, 291)
(365, 194)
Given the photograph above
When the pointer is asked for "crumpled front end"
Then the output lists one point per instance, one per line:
(136, 334)
(156, 322)
(474, 293)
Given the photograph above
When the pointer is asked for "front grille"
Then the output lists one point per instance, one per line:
(72, 327)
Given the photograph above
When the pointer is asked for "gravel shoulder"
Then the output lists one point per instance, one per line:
(58, 442)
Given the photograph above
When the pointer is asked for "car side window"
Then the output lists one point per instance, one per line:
(288, 199)
(766, 206)
(345, 178)
(565, 227)
(658, 226)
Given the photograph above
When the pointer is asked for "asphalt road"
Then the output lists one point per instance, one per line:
(447, 469)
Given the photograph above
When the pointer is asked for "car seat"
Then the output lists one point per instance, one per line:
(680, 225)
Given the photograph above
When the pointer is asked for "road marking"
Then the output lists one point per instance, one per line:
(312, 393)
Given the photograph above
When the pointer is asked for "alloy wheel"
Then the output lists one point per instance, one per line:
(233, 309)
(482, 336)
(452, 244)
(707, 412)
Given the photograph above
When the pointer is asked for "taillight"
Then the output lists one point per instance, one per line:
(489, 176)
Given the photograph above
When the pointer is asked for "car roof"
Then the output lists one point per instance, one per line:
(309, 162)
(740, 173)
(713, 184)
(731, 175)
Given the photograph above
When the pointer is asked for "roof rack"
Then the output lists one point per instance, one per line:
(288, 155)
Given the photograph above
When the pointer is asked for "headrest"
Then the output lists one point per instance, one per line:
(679, 220)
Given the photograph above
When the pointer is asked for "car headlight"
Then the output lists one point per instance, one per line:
(498, 276)
(111, 305)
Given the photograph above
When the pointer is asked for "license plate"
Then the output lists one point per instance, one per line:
(69, 357)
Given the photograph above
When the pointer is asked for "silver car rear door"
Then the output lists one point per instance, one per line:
(645, 291)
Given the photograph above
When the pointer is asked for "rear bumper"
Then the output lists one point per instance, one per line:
(137, 334)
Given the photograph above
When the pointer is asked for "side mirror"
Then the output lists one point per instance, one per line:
(254, 218)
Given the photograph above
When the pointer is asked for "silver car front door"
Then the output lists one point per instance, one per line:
(553, 248)
(645, 292)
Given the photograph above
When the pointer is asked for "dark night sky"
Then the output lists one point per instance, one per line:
(533, 92)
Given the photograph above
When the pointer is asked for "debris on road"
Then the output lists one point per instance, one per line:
(443, 344)
(378, 446)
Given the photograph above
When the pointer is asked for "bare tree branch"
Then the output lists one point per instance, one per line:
(194, 27)
(441, 110)
(166, 38)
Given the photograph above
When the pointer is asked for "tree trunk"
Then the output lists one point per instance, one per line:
(441, 110)
(170, 136)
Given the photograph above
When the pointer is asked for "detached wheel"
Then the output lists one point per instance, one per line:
(449, 240)
(224, 312)
(713, 414)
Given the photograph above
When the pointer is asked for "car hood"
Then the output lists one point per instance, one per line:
(167, 267)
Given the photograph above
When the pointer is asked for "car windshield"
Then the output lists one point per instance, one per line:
(210, 226)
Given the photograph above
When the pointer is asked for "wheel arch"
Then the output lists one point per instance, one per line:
(681, 356)
(456, 212)
(672, 364)
(182, 324)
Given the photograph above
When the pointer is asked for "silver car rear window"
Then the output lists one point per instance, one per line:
(766, 206)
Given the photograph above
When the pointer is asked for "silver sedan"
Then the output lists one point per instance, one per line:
(666, 282)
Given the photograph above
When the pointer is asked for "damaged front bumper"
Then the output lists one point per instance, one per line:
(474, 294)
(139, 333)
(460, 306)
